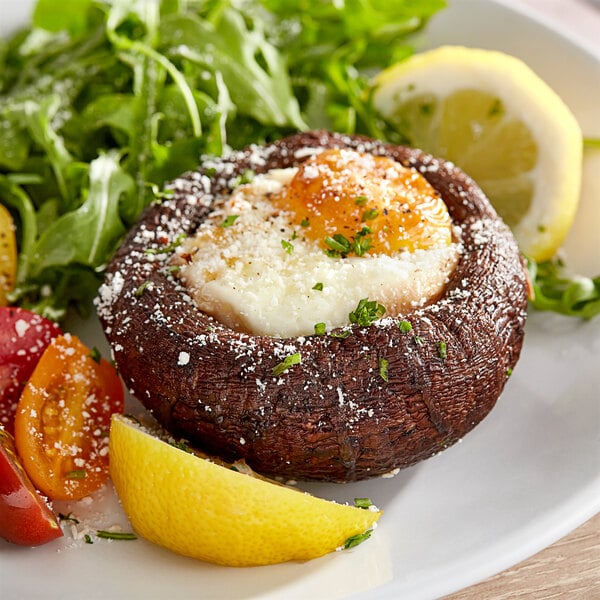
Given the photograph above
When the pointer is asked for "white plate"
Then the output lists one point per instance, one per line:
(523, 478)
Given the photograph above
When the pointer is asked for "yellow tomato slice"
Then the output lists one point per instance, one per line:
(63, 419)
(8, 255)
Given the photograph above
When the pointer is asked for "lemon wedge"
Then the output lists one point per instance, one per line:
(491, 115)
(205, 510)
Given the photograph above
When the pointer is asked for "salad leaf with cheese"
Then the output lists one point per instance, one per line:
(103, 101)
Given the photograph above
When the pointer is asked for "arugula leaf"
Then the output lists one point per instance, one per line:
(259, 89)
(69, 15)
(554, 291)
(90, 233)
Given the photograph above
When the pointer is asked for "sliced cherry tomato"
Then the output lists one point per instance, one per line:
(8, 255)
(63, 419)
(25, 518)
(24, 336)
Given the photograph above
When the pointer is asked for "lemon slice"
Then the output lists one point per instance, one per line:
(491, 115)
(208, 511)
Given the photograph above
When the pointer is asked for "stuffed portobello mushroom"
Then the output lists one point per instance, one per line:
(326, 307)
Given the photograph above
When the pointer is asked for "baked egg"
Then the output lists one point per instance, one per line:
(299, 247)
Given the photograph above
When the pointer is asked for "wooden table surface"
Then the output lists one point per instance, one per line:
(570, 568)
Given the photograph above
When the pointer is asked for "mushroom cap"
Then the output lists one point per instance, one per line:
(332, 417)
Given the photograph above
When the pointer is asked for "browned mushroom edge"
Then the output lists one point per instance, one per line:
(332, 417)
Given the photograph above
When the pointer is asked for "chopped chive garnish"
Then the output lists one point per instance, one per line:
(304, 222)
(361, 201)
(383, 368)
(338, 243)
(115, 535)
(442, 349)
(141, 289)
(342, 335)
(405, 326)
(229, 220)
(168, 248)
(287, 246)
(366, 312)
(76, 474)
(320, 328)
(88, 538)
(369, 214)
(246, 177)
(182, 445)
(68, 517)
(288, 361)
(341, 246)
(159, 194)
(318, 286)
(95, 355)
(355, 540)
(509, 371)
(362, 502)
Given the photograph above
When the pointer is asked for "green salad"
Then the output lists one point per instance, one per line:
(103, 101)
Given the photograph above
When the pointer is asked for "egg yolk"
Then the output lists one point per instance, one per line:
(344, 198)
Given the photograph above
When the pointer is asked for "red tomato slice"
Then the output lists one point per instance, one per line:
(63, 420)
(24, 336)
(25, 518)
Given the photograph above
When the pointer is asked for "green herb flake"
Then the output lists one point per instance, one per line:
(341, 335)
(76, 474)
(509, 372)
(95, 355)
(159, 194)
(246, 177)
(366, 312)
(141, 289)
(361, 201)
(341, 246)
(168, 248)
(405, 326)
(68, 517)
(182, 445)
(287, 246)
(363, 502)
(115, 535)
(88, 539)
(369, 215)
(229, 221)
(288, 361)
(442, 349)
(304, 222)
(318, 286)
(355, 540)
(383, 368)
(320, 328)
